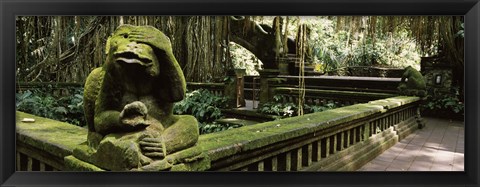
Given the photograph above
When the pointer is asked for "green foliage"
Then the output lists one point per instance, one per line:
(320, 108)
(461, 32)
(202, 104)
(289, 109)
(334, 47)
(278, 109)
(244, 59)
(205, 106)
(41, 102)
(228, 80)
(206, 128)
(449, 102)
(337, 49)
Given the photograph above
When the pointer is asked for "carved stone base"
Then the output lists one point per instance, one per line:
(74, 164)
(191, 159)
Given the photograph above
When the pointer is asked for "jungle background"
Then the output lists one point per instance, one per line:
(65, 49)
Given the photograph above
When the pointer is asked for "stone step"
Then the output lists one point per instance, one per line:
(251, 115)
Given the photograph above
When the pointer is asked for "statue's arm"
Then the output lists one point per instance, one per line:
(109, 110)
(107, 122)
(106, 117)
(176, 79)
(182, 134)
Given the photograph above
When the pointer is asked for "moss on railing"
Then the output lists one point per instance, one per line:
(54, 137)
(393, 102)
(234, 141)
(59, 139)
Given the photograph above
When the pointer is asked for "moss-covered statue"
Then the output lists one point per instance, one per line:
(412, 83)
(128, 105)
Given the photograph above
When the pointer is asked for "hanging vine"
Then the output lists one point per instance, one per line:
(278, 36)
(301, 54)
(285, 38)
(67, 48)
(201, 65)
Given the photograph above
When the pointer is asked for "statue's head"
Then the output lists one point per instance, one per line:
(132, 56)
(145, 52)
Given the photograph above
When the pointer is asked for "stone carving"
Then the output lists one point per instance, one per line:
(438, 75)
(412, 83)
(128, 105)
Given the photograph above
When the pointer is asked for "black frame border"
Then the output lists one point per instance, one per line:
(9, 9)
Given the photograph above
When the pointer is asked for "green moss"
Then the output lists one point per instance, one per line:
(227, 143)
(255, 136)
(92, 88)
(412, 83)
(161, 83)
(235, 121)
(394, 102)
(60, 138)
(57, 138)
(74, 164)
(191, 159)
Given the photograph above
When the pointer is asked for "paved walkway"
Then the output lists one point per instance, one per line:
(437, 147)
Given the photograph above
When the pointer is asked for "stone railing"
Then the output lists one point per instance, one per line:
(335, 140)
(344, 90)
(252, 86)
(319, 97)
(343, 83)
(42, 145)
(215, 88)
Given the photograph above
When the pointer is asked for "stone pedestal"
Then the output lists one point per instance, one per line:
(266, 92)
(191, 159)
(283, 66)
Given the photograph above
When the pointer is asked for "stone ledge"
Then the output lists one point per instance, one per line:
(54, 137)
(60, 139)
(74, 164)
(234, 141)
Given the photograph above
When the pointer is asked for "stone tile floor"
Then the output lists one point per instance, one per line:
(437, 147)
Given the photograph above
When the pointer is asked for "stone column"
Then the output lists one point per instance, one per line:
(283, 66)
(266, 91)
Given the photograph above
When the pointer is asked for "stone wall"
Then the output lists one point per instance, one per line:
(438, 74)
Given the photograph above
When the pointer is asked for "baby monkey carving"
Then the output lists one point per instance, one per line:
(412, 83)
(128, 102)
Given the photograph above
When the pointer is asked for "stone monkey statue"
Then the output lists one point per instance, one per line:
(129, 100)
(412, 83)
